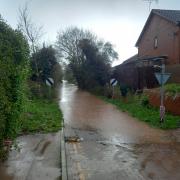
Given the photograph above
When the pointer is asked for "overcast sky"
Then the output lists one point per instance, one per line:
(117, 21)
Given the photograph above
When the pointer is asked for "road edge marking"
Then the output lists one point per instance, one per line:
(79, 168)
(63, 157)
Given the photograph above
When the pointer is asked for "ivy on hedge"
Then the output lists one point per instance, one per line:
(14, 65)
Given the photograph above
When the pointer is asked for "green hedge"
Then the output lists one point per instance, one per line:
(14, 55)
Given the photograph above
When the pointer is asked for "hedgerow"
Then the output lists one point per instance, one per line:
(14, 65)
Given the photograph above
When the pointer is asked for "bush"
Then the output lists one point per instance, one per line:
(145, 101)
(14, 54)
(41, 90)
(97, 90)
(124, 90)
(172, 88)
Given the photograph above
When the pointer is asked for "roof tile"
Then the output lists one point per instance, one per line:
(171, 15)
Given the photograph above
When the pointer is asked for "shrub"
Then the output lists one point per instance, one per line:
(172, 88)
(145, 101)
(41, 90)
(124, 90)
(14, 54)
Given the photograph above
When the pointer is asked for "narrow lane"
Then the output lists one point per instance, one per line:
(114, 145)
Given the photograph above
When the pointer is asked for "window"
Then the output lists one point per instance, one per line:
(155, 43)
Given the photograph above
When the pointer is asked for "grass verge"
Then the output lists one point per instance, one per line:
(41, 116)
(145, 113)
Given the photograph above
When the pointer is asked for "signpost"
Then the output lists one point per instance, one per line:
(113, 82)
(49, 81)
(162, 79)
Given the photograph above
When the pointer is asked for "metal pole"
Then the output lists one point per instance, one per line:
(162, 86)
(113, 92)
(162, 108)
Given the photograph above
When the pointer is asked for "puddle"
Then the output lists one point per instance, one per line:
(38, 157)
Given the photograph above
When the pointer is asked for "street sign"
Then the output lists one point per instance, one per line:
(113, 82)
(49, 81)
(162, 77)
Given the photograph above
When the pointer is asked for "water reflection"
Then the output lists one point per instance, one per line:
(82, 110)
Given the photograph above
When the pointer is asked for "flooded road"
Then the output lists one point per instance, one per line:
(112, 144)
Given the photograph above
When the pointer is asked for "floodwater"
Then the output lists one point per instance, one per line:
(114, 145)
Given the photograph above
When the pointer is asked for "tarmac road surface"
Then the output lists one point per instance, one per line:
(36, 158)
(102, 143)
(111, 145)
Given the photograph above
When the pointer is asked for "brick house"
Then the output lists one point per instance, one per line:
(159, 37)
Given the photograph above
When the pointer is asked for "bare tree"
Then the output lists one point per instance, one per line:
(67, 43)
(32, 32)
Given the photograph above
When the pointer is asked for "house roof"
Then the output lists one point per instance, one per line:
(136, 59)
(170, 15)
(131, 59)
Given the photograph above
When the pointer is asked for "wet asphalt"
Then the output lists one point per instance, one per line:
(112, 145)
(36, 157)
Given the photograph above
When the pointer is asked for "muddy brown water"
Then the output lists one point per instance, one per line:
(85, 111)
(115, 146)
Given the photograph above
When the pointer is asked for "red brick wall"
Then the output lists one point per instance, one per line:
(172, 104)
(168, 36)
